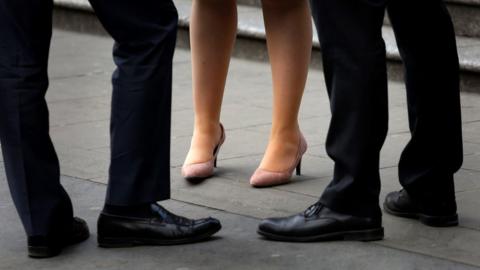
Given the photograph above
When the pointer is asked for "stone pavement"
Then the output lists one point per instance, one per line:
(79, 100)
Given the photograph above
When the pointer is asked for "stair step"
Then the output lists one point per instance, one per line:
(251, 42)
(259, 2)
(465, 15)
(256, 3)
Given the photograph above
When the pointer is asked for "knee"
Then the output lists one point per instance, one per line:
(23, 68)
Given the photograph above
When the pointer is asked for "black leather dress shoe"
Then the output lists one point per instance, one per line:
(319, 223)
(162, 228)
(50, 246)
(400, 204)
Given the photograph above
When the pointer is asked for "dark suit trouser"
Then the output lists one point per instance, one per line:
(144, 32)
(355, 70)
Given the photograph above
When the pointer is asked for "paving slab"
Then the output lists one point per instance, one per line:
(84, 135)
(236, 247)
(81, 163)
(389, 156)
(79, 87)
(83, 110)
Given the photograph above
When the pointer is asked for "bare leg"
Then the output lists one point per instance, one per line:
(289, 38)
(212, 33)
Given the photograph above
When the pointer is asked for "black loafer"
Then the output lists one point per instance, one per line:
(319, 223)
(50, 246)
(163, 228)
(400, 204)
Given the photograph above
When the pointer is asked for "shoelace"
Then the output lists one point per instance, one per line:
(313, 209)
(402, 193)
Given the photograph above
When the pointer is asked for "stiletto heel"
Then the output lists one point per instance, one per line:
(299, 167)
(264, 178)
(199, 171)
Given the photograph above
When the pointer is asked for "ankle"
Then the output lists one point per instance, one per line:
(206, 128)
(285, 134)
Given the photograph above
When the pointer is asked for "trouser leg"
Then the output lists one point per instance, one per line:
(145, 35)
(426, 39)
(355, 71)
(30, 160)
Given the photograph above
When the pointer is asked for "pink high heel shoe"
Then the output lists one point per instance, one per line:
(264, 178)
(197, 172)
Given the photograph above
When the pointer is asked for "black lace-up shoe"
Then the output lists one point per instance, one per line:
(319, 223)
(50, 246)
(400, 204)
(162, 228)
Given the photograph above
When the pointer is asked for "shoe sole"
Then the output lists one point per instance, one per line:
(44, 252)
(432, 221)
(120, 242)
(362, 235)
(197, 180)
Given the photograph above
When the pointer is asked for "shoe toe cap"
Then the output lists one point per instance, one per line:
(198, 170)
(262, 178)
(391, 198)
(80, 224)
(270, 225)
(207, 225)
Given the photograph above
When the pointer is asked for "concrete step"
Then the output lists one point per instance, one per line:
(76, 15)
(465, 15)
(255, 3)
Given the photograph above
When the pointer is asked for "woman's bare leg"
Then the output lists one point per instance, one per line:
(212, 34)
(289, 37)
